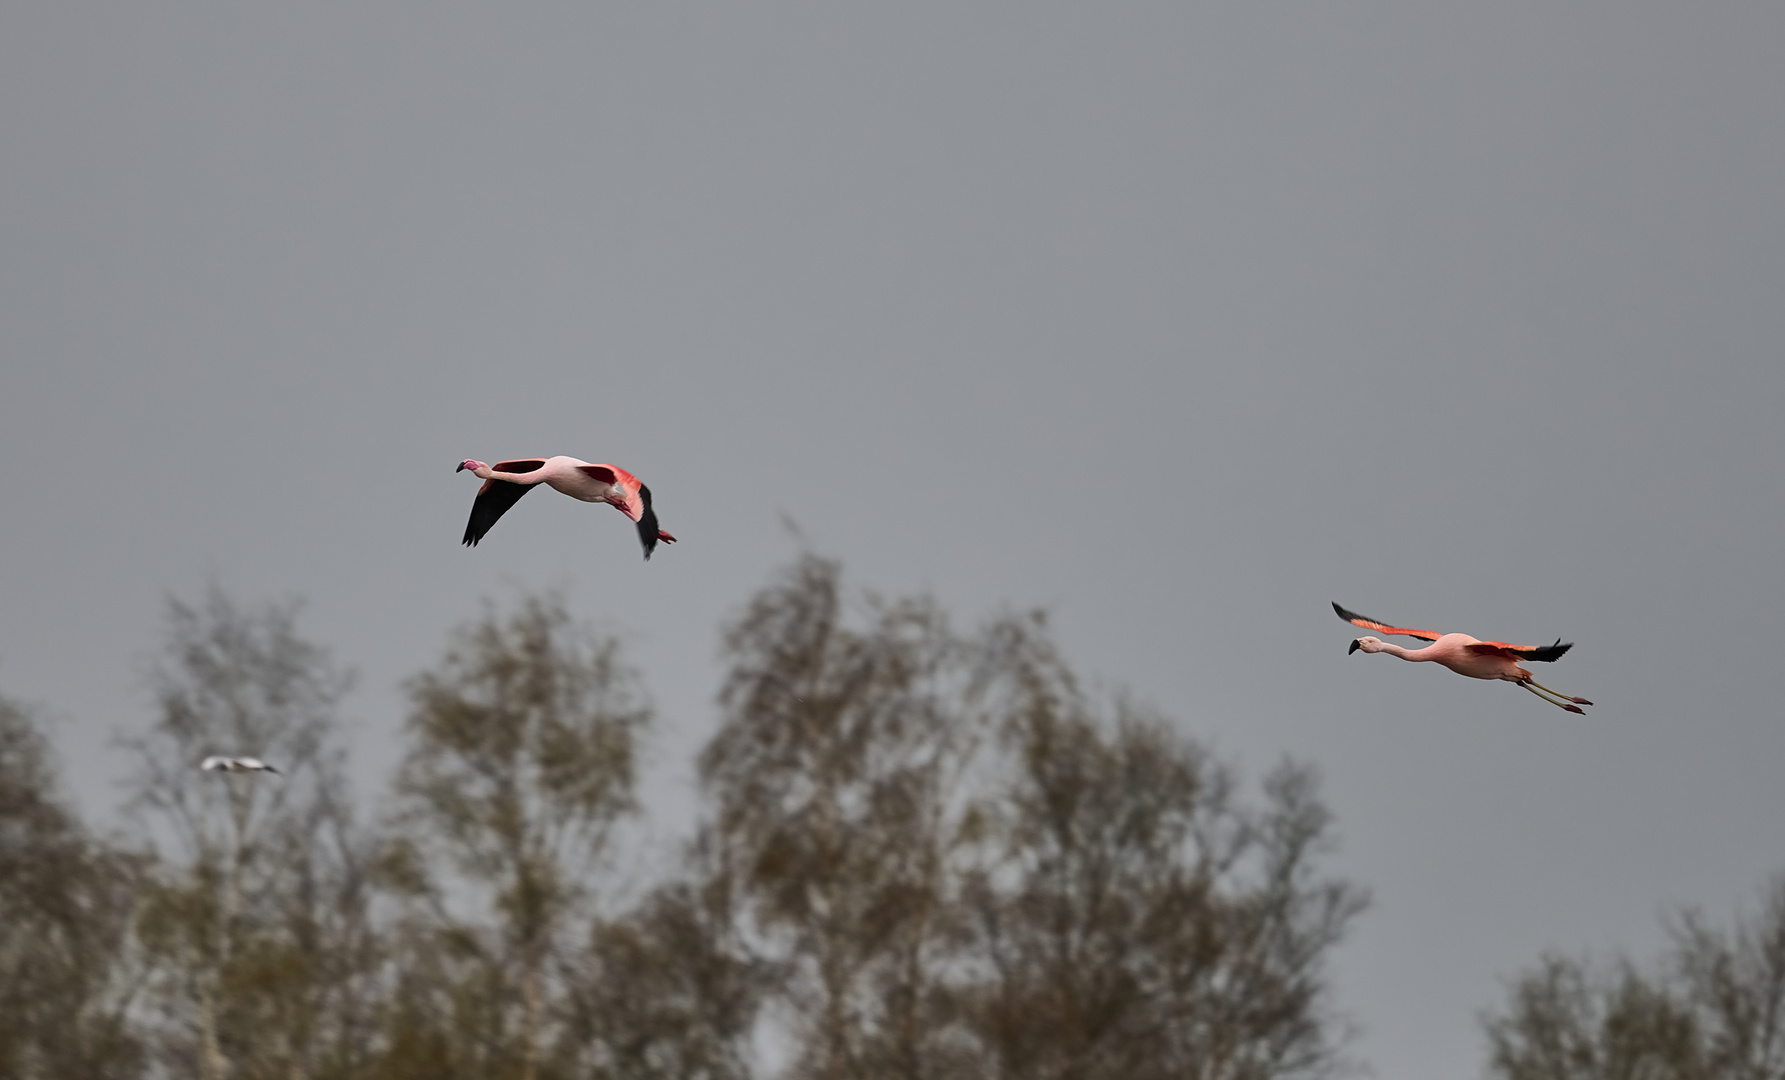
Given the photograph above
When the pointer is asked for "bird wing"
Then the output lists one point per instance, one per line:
(648, 532)
(625, 495)
(1355, 619)
(1542, 653)
(632, 498)
(493, 500)
(214, 763)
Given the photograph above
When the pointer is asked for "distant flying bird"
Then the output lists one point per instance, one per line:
(506, 481)
(238, 765)
(1467, 656)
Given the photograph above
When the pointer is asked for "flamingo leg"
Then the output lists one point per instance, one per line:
(1546, 693)
(1553, 701)
(1558, 693)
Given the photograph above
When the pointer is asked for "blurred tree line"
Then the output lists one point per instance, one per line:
(1712, 1007)
(923, 853)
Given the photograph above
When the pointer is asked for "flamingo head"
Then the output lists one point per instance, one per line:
(1367, 644)
(470, 463)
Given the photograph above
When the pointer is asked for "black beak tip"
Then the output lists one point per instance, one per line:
(1355, 645)
(461, 467)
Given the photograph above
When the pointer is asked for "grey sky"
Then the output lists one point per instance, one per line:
(1180, 320)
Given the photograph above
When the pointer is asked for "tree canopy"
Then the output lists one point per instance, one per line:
(923, 851)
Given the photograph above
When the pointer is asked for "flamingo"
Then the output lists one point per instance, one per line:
(238, 765)
(506, 481)
(1467, 656)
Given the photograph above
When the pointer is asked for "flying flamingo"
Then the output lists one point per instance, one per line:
(506, 481)
(1467, 656)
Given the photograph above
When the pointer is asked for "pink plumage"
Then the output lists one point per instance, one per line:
(506, 481)
(1469, 656)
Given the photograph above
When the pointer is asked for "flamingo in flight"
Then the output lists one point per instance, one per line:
(506, 481)
(1467, 656)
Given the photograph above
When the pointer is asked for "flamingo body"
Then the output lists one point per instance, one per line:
(506, 481)
(1468, 656)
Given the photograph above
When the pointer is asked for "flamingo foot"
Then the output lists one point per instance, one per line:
(1576, 709)
(1580, 701)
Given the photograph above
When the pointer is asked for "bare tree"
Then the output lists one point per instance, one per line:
(521, 763)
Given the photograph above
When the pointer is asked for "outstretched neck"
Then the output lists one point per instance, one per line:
(1415, 655)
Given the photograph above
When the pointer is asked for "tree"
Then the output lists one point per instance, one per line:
(65, 905)
(666, 991)
(255, 920)
(1712, 1008)
(927, 853)
(520, 766)
(837, 779)
(954, 865)
(1140, 922)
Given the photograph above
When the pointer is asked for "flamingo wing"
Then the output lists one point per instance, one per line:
(632, 498)
(648, 532)
(1355, 619)
(1541, 653)
(493, 500)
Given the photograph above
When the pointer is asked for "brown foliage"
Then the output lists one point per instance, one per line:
(1713, 1008)
(957, 867)
(927, 854)
(65, 903)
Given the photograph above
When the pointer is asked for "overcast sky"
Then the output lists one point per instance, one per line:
(1179, 320)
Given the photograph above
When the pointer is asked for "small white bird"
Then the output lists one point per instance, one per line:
(238, 765)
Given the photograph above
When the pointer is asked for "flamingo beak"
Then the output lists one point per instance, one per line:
(1356, 645)
(461, 467)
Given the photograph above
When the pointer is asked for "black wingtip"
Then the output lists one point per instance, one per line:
(647, 523)
(1343, 614)
(1550, 653)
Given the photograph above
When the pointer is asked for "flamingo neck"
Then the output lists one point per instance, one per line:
(1414, 655)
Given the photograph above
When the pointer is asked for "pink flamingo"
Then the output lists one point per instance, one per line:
(505, 482)
(1467, 656)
